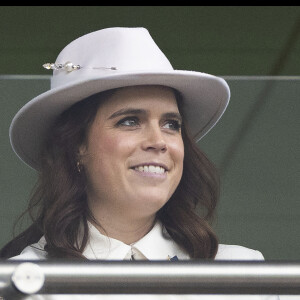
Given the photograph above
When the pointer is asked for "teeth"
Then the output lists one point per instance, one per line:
(151, 169)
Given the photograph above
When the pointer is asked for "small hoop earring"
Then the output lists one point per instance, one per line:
(78, 165)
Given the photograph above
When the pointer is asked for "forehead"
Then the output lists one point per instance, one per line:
(144, 97)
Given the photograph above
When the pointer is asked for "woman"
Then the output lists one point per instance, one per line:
(120, 175)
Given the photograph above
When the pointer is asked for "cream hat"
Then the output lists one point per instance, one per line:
(107, 59)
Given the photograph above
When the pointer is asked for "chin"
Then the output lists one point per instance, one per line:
(153, 204)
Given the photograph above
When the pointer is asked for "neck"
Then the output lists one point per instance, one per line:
(127, 230)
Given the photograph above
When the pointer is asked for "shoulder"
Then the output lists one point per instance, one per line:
(33, 252)
(235, 252)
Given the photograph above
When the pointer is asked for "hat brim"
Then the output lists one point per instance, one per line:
(205, 99)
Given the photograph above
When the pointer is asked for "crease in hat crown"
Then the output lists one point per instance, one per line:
(113, 49)
(113, 58)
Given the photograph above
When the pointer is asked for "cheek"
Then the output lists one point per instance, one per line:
(107, 143)
(177, 152)
(110, 150)
(117, 146)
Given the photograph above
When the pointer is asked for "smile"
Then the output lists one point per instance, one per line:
(150, 169)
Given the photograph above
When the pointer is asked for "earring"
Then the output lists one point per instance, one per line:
(78, 165)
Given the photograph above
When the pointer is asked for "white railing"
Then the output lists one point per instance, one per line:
(20, 279)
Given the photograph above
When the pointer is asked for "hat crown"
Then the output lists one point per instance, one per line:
(110, 51)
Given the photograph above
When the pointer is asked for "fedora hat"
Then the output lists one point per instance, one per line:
(108, 59)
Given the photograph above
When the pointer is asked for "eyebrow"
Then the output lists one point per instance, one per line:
(133, 111)
(127, 111)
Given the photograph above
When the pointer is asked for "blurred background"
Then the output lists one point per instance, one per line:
(255, 145)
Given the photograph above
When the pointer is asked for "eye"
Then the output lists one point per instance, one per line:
(128, 122)
(174, 125)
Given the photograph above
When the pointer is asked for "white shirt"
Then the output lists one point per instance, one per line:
(153, 246)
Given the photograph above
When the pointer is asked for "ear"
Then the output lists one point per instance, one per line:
(82, 152)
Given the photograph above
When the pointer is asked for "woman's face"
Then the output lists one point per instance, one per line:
(134, 153)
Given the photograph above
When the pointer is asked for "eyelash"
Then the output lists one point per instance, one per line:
(121, 122)
(176, 124)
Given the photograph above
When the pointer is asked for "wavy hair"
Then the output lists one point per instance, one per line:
(59, 210)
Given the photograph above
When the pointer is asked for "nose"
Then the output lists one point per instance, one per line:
(154, 139)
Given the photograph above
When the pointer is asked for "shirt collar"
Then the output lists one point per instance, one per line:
(155, 245)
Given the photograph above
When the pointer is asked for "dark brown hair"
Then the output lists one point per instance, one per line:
(59, 209)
